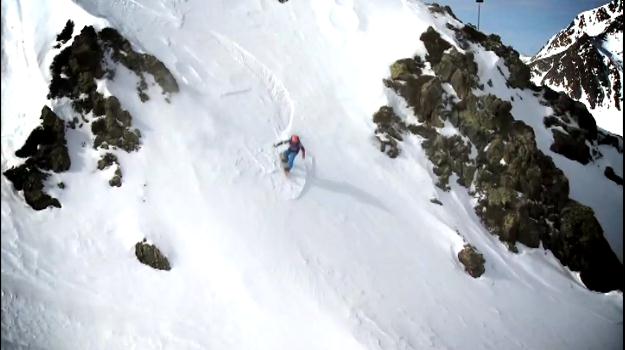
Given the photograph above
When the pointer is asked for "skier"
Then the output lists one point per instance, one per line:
(288, 156)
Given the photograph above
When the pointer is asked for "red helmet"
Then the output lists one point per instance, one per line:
(295, 139)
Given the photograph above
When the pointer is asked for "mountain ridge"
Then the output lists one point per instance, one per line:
(585, 60)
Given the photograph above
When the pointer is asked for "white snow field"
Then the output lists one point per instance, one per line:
(348, 254)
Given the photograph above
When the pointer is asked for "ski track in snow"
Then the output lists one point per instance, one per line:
(281, 121)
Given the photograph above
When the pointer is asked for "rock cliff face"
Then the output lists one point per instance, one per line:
(522, 196)
(585, 61)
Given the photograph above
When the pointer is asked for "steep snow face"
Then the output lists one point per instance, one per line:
(585, 60)
(348, 254)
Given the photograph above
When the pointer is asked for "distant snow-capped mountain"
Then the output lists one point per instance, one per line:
(585, 60)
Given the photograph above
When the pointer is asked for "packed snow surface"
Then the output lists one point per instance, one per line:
(348, 253)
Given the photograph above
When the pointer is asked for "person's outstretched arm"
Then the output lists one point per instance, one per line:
(280, 143)
(303, 152)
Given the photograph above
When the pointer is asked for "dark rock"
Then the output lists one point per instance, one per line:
(584, 119)
(434, 44)
(610, 174)
(116, 181)
(86, 55)
(520, 73)
(551, 121)
(470, 33)
(45, 149)
(140, 63)
(423, 131)
(29, 179)
(150, 255)
(99, 105)
(444, 10)
(61, 185)
(107, 160)
(579, 244)
(472, 260)
(423, 93)
(615, 141)
(404, 68)
(430, 101)
(388, 131)
(483, 117)
(66, 33)
(75, 68)
(449, 155)
(459, 70)
(572, 147)
(512, 247)
(549, 94)
(530, 230)
(436, 201)
(114, 128)
(46, 144)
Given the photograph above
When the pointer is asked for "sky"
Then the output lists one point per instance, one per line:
(524, 24)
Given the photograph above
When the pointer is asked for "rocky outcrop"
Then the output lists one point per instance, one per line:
(571, 146)
(423, 93)
(520, 73)
(46, 146)
(149, 254)
(521, 195)
(113, 129)
(610, 174)
(108, 160)
(459, 70)
(434, 45)
(141, 63)
(444, 10)
(29, 179)
(575, 132)
(389, 130)
(580, 242)
(76, 67)
(472, 260)
(450, 155)
(45, 150)
(65, 34)
(74, 71)
(566, 108)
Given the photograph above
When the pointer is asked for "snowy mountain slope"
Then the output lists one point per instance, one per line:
(585, 60)
(362, 259)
